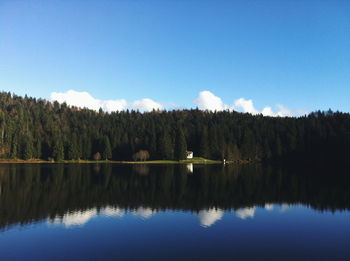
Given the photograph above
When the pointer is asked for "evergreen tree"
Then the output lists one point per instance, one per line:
(28, 148)
(165, 146)
(203, 146)
(14, 147)
(37, 150)
(248, 146)
(53, 127)
(58, 150)
(73, 151)
(106, 148)
(180, 145)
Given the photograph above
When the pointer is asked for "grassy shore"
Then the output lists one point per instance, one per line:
(196, 160)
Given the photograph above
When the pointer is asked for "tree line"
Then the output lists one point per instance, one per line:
(36, 128)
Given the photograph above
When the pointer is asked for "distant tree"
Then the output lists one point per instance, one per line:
(107, 150)
(232, 153)
(37, 150)
(28, 148)
(213, 149)
(72, 133)
(165, 146)
(278, 146)
(180, 145)
(97, 156)
(203, 146)
(73, 150)
(248, 148)
(141, 155)
(58, 150)
(14, 147)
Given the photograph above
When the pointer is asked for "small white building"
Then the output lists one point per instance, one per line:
(189, 154)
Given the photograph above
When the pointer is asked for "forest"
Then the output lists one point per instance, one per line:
(32, 128)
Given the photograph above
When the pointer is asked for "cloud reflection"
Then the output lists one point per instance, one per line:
(143, 212)
(285, 207)
(75, 218)
(113, 212)
(269, 207)
(244, 213)
(207, 217)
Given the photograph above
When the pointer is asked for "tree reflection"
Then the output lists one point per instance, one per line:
(72, 194)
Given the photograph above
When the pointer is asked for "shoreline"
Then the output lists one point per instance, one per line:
(39, 161)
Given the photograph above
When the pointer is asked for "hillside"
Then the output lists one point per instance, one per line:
(36, 128)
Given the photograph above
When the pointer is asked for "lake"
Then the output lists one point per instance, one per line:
(172, 212)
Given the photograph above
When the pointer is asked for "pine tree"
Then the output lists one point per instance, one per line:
(278, 146)
(203, 146)
(58, 150)
(14, 147)
(165, 146)
(214, 150)
(180, 145)
(28, 148)
(106, 148)
(248, 147)
(37, 150)
(73, 152)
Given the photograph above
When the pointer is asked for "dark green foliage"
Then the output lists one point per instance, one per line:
(58, 150)
(204, 144)
(73, 148)
(35, 128)
(248, 146)
(28, 148)
(165, 146)
(180, 145)
(106, 146)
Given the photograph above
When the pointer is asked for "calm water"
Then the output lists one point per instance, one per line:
(123, 212)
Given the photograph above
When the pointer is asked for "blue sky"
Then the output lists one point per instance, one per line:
(291, 53)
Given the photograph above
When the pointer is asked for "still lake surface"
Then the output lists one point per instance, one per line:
(172, 212)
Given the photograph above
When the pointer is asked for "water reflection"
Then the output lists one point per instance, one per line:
(285, 207)
(189, 168)
(143, 212)
(244, 213)
(72, 195)
(269, 207)
(208, 217)
(76, 218)
(113, 212)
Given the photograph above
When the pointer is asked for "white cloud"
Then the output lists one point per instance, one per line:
(244, 213)
(86, 100)
(245, 105)
(146, 105)
(208, 101)
(207, 217)
(267, 111)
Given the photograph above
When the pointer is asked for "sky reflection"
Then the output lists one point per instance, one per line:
(206, 217)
